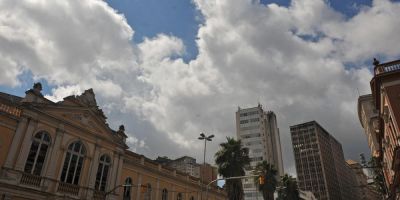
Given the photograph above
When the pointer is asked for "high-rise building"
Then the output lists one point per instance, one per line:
(385, 87)
(320, 163)
(258, 131)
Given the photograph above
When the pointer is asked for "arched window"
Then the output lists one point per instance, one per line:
(179, 197)
(102, 173)
(147, 195)
(37, 154)
(73, 162)
(164, 195)
(127, 188)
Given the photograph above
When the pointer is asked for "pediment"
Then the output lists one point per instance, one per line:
(81, 117)
(80, 111)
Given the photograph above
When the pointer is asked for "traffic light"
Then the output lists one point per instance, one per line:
(261, 180)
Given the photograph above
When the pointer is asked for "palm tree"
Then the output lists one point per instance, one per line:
(231, 160)
(288, 188)
(270, 182)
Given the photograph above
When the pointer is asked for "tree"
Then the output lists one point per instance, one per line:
(268, 172)
(288, 189)
(379, 178)
(231, 159)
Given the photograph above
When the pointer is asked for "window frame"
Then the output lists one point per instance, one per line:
(105, 165)
(70, 153)
(40, 139)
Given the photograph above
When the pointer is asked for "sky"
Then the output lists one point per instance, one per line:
(169, 70)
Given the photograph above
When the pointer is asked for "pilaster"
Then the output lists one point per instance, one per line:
(12, 153)
(158, 188)
(139, 186)
(53, 160)
(54, 155)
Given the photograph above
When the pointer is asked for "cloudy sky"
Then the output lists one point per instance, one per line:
(169, 70)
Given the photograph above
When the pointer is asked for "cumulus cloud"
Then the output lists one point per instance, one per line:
(294, 60)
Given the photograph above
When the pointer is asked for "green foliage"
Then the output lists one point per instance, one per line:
(231, 159)
(379, 178)
(288, 189)
(269, 172)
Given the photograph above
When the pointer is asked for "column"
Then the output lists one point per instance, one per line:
(53, 158)
(173, 192)
(119, 171)
(26, 145)
(139, 184)
(15, 143)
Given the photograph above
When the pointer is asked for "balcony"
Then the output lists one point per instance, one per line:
(30, 180)
(387, 67)
(67, 188)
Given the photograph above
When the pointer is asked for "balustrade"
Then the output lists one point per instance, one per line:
(30, 180)
(68, 189)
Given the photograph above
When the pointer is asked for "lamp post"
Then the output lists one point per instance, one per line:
(205, 138)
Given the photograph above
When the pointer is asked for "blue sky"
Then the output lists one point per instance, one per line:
(179, 18)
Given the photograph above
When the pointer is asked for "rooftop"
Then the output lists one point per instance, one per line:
(389, 67)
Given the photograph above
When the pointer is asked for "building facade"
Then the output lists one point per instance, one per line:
(369, 120)
(365, 191)
(187, 164)
(66, 150)
(258, 131)
(385, 88)
(320, 163)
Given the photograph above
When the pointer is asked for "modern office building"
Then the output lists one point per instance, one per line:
(385, 88)
(66, 150)
(258, 131)
(320, 163)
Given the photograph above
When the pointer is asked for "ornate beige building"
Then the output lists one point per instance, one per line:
(66, 150)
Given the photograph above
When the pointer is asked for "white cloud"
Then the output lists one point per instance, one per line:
(292, 60)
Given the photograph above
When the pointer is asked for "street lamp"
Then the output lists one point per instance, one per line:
(205, 138)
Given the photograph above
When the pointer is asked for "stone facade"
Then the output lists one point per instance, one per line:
(369, 120)
(385, 89)
(66, 150)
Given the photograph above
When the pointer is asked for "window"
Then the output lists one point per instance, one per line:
(127, 189)
(179, 197)
(102, 173)
(37, 154)
(164, 195)
(73, 162)
(147, 195)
